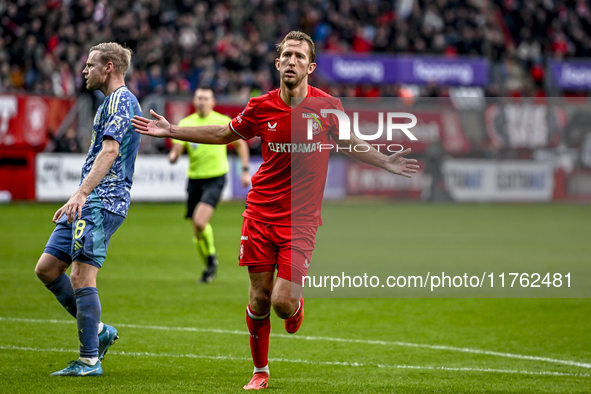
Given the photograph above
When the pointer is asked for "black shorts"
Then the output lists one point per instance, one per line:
(207, 191)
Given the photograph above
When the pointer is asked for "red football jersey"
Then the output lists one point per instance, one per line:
(288, 187)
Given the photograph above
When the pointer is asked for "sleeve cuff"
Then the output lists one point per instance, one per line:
(237, 133)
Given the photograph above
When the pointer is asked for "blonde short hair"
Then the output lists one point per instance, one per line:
(114, 53)
(298, 36)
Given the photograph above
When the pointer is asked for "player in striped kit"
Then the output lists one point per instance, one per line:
(85, 224)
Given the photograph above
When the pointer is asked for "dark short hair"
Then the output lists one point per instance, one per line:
(205, 87)
(298, 36)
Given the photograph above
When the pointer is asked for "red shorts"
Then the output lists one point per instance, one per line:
(264, 247)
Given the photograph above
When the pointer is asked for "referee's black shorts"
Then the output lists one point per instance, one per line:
(208, 191)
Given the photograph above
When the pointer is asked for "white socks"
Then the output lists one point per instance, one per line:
(255, 317)
(265, 369)
(89, 361)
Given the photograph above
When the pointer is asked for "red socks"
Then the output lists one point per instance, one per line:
(259, 328)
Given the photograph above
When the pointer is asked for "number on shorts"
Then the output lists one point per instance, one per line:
(80, 225)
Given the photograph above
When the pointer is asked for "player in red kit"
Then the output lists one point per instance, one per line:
(283, 206)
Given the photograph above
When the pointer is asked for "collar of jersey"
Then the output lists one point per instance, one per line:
(284, 104)
(122, 86)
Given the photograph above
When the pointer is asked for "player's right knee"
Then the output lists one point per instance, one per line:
(260, 304)
(40, 272)
(47, 272)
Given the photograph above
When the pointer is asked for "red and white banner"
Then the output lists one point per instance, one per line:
(26, 121)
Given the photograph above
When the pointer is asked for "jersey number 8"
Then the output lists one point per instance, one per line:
(80, 225)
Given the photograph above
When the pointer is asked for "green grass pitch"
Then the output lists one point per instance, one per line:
(180, 337)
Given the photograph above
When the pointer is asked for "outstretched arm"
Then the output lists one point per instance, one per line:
(161, 128)
(396, 163)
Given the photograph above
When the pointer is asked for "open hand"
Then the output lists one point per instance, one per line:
(397, 164)
(156, 128)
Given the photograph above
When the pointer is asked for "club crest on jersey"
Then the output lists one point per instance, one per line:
(314, 120)
(308, 115)
(272, 126)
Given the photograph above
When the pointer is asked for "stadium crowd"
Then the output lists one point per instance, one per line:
(230, 45)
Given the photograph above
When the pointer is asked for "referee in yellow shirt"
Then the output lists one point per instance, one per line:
(208, 165)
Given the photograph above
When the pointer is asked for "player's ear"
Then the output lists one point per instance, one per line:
(109, 67)
(277, 64)
(311, 68)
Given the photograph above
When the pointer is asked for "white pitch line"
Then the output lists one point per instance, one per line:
(299, 361)
(330, 339)
(449, 348)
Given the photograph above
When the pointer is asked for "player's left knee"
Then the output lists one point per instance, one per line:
(283, 308)
(77, 280)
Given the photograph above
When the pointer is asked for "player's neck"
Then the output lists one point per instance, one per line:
(203, 114)
(287, 94)
(111, 84)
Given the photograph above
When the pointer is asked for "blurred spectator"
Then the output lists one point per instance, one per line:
(230, 45)
(558, 28)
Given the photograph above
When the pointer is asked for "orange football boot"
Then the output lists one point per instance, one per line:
(259, 381)
(293, 324)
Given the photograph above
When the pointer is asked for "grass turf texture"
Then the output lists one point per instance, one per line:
(179, 337)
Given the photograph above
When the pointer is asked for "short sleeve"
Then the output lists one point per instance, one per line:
(118, 116)
(244, 125)
(333, 122)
